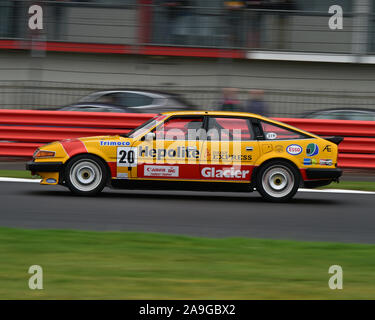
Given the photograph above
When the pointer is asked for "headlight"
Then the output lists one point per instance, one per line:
(35, 152)
(44, 154)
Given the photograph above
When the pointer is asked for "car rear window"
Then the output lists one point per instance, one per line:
(275, 132)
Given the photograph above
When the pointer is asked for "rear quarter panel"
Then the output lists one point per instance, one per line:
(304, 153)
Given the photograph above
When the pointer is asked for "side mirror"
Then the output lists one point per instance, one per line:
(150, 136)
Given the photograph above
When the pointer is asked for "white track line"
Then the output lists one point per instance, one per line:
(336, 191)
(301, 189)
(18, 180)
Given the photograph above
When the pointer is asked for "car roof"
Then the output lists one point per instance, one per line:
(94, 104)
(153, 92)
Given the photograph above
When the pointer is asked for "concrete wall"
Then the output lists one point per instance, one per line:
(292, 87)
(97, 25)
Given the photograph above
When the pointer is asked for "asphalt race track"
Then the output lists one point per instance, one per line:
(314, 216)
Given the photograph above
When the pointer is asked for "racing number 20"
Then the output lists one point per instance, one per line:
(126, 157)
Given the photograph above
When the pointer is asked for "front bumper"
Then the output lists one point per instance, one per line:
(44, 166)
(315, 174)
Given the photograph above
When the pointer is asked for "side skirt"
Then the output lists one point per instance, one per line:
(181, 185)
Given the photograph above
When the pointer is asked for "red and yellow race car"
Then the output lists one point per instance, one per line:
(197, 150)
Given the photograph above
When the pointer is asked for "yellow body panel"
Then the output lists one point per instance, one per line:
(50, 178)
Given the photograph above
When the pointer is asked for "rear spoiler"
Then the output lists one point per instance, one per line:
(335, 140)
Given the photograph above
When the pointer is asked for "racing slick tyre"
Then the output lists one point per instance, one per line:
(277, 181)
(86, 175)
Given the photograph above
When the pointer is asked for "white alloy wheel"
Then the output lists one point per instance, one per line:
(277, 181)
(85, 175)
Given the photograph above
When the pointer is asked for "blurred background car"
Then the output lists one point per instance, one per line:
(343, 114)
(131, 101)
(94, 107)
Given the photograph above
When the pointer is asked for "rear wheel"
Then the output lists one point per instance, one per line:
(86, 175)
(278, 181)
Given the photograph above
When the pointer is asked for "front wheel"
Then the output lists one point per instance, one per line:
(86, 175)
(278, 181)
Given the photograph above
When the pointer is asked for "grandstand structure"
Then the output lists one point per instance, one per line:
(286, 48)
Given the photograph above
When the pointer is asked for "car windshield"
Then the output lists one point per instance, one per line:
(143, 128)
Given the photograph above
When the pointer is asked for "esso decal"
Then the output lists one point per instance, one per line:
(294, 149)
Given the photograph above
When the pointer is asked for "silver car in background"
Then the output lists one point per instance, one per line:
(144, 101)
(343, 114)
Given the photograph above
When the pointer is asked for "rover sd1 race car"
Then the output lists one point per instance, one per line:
(194, 150)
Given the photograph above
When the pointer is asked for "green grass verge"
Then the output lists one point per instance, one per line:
(114, 265)
(350, 185)
(16, 174)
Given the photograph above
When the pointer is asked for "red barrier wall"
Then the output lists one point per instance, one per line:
(22, 131)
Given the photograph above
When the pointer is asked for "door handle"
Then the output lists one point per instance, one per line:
(249, 148)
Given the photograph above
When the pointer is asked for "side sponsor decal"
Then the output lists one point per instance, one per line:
(161, 171)
(279, 148)
(326, 162)
(230, 173)
(179, 152)
(127, 157)
(294, 149)
(312, 149)
(114, 143)
(271, 135)
(309, 161)
(225, 155)
(122, 175)
(328, 148)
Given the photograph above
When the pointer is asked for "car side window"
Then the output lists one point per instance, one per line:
(341, 115)
(179, 128)
(361, 116)
(323, 116)
(131, 99)
(229, 129)
(87, 109)
(110, 98)
(275, 132)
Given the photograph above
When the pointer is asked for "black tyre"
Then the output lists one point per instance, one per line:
(86, 175)
(277, 181)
